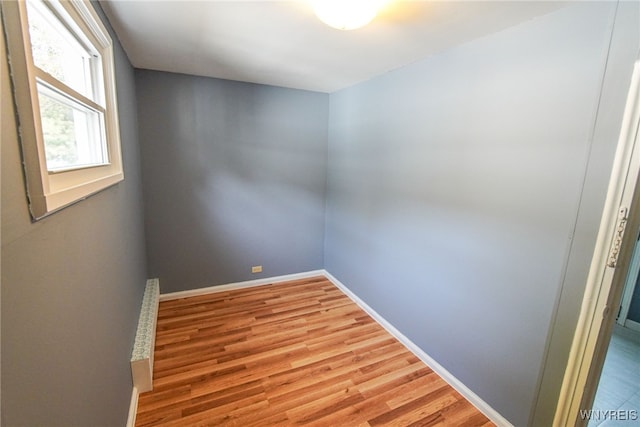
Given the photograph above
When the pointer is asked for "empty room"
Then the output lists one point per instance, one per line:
(274, 213)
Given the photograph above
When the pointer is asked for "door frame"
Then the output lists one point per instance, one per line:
(619, 228)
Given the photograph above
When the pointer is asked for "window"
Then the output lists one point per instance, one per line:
(61, 59)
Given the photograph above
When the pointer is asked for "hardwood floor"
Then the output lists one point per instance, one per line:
(291, 353)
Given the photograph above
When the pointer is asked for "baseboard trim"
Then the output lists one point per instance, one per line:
(634, 326)
(133, 408)
(475, 400)
(239, 285)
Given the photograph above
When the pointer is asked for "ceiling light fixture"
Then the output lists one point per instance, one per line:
(346, 14)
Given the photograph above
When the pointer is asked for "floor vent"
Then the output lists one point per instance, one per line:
(142, 357)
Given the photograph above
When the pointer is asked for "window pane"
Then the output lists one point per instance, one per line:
(56, 51)
(73, 134)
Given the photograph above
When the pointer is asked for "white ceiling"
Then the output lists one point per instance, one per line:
(282, 43)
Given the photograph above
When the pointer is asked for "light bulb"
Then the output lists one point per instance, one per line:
(346, 14)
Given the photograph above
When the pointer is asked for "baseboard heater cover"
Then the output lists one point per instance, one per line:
(142, 355)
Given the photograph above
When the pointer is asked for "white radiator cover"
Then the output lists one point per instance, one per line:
(142, 355)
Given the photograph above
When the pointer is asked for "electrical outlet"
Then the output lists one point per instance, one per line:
(256, 269)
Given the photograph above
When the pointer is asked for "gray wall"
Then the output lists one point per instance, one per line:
(624, 48)
(72, 287)
(455, 186)
(464, 195)
(234, 176)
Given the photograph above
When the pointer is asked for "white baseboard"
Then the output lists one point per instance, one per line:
(239, 285)
(133, 408)
(475, 400)
(635, 326)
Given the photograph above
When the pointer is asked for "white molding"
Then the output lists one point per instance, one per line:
(458, 385)
(634, 326)
(239, 285)
(133, 408)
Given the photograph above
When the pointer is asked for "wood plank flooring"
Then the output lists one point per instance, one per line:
(291, 353)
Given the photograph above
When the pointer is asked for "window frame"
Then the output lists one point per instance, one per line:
(50, 191)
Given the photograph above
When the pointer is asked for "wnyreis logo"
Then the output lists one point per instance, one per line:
(609, 414)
